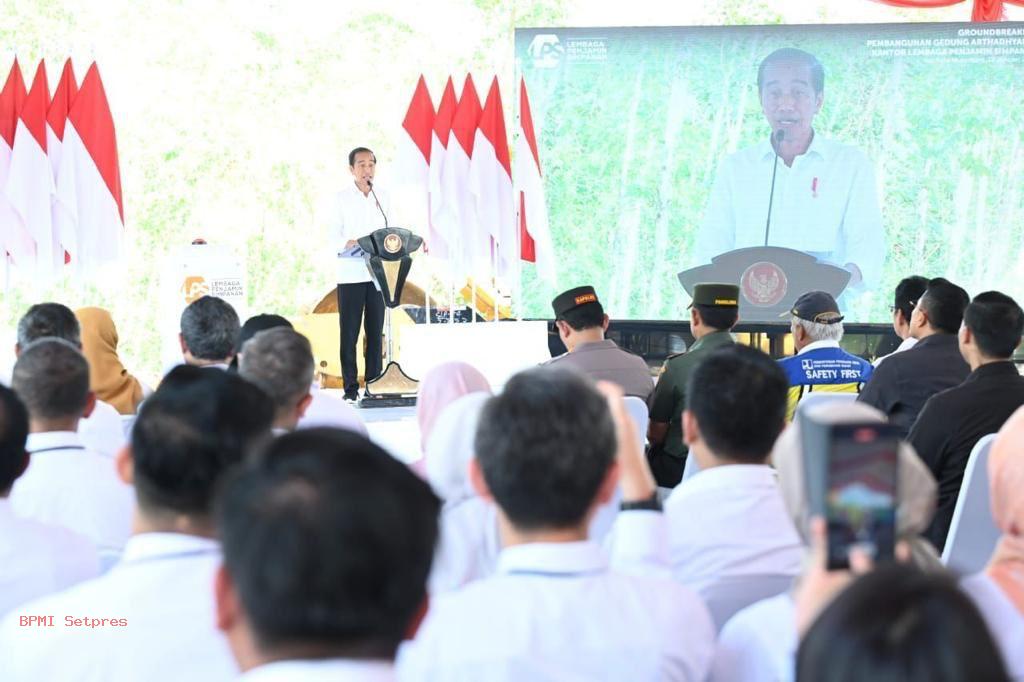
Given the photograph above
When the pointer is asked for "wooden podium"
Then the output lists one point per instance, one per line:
(770, 278)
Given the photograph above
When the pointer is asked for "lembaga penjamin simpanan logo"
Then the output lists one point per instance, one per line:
(546, 51)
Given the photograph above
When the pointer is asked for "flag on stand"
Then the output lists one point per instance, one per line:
(412, 162)
(534, 233)
(15, 241)
(56, 120)
(458, 221)
(89, 180)
(438, 150)
(490, 184)
(29, 187)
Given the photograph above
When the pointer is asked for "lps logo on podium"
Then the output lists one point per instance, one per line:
(546, 51)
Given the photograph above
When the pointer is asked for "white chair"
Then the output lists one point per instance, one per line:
(972, 532)
(816, 398)
(727, 596)
(637, 410)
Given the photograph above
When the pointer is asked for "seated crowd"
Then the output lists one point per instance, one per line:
(237, 522)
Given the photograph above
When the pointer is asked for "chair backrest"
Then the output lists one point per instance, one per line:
(972, 532)
(637, 410)
(729, 595)
(815, 398)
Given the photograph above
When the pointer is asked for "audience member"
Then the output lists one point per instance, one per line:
(280, 362)
(159, 598)
(108, 378)
(759, 643)
(820, 364)
(66, 484)
(35, 559)
(899, 623)
(729, 520)
(209, 332)
(323, 410)
(998, 591)
(442, 385)
(101, 430)
(581, 324)
(327, 546)
(713, 313)
(469, 543)
(908, 291)
(954, 420)
(901, 385)
(556, 609)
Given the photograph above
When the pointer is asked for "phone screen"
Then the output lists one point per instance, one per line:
(860, 500)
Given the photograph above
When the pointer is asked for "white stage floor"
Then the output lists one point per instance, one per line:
(394, 429)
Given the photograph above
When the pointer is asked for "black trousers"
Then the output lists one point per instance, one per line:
(353, 300)
(667, 470)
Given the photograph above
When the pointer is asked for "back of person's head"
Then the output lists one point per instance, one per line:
(209, 329)
(48, 320)
(996, 322)
(545, 445)
(586, 316)
(721, 318)
(737, 396)
(253, 326)
(13, 434)
(328, 542)
(908, 293)
(51, 377)
(579, 308)
(944, 303)
(899, 623)
(279, 361)
(198, 424)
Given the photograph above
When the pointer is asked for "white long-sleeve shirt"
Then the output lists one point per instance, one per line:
(356, 215)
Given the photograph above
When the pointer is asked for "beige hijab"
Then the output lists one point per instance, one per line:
(107, 376)
(916, 487)
(1006, 482)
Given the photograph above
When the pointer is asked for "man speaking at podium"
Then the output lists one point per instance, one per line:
(360, 208)
(823, 197)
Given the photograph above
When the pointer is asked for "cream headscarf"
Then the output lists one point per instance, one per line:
(1006, 482)
(916, 488)
(107, 376)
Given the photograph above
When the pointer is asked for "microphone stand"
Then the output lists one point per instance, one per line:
(777, 137)
(369, 184)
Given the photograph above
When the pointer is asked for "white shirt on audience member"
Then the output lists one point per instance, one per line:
(729, 521)
(758, 644)
(561, 611)
(103, 430)
(468, 547)
(37, 559)
(162, 588)
(331, 670)
(328, 410)
(68, 485)
(907, 344)
(1005, 622)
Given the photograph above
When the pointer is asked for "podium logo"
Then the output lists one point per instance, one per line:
(546, 51)
(194, 288)
(764, 284)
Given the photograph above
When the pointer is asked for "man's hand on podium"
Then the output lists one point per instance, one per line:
(350, 243)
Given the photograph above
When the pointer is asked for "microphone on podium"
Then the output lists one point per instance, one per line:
(777, 137)
(369, 183)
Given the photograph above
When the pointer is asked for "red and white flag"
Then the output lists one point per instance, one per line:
(490, 184)
(468, 244)
(412, 162)
(89, 180)
(29, 187)
(438, 151)
(56, 120)
(534, 233)
(15, 240)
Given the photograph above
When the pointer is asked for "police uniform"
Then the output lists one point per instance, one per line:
(601, 360)
(821, 366)
(669, 398)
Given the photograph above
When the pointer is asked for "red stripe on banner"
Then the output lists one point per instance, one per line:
(63, 98)
(12, 97)
(445, 113)
(33, 113)
(526, 121)
(492, 125)
(92, 119)
(527, 247)
(467, 116)
(419, 119)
